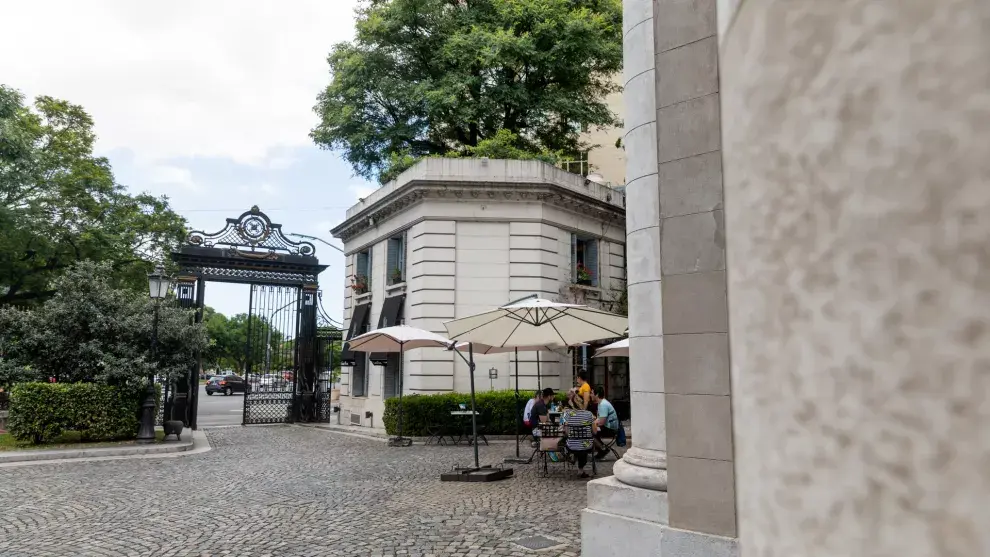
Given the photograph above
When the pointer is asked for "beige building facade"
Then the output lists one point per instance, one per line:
(454, 237)
(844, 143)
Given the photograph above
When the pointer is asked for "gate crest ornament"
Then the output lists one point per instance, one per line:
(251, 232)
(249, 249)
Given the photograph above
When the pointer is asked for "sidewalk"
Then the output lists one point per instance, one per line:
(193, 442)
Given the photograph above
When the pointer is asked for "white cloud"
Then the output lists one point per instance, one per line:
(226, 78)
(167, 175)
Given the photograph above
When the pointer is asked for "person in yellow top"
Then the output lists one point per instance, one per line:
(584, 390)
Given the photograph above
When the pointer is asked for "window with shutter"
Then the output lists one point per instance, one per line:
(361, 281)
(591, 260)
(396, 254)
(584, 260)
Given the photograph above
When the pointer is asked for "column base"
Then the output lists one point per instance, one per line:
(627, 521)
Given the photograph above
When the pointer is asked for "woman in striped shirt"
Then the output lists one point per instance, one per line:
(580, 430)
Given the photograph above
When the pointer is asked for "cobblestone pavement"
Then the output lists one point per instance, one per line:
(287, 491)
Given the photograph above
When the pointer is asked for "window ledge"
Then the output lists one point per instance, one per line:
(362, 297)
(396, 286)
(585, 287)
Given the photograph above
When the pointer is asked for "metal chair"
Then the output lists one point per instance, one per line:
(437, 431)
(550, 439)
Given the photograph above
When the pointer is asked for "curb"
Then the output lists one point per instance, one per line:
(197, 444)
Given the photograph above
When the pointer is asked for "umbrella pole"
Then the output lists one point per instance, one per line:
(474, 411)
(400, 441)
(518, 414)
(402, 372)
(539, 381)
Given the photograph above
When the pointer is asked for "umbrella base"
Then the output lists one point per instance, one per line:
(483, 474)
(400, 442)
(517, 460)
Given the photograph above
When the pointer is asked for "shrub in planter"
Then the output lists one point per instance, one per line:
(419, 411)
(40, 412)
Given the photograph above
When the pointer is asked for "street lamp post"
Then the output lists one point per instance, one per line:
(158, 285)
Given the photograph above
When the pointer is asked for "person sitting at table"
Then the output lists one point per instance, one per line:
(539, 414)
(528, 411)
(607, 422)
(580, 430)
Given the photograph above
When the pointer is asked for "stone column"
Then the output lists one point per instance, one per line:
(857, 185)
(678, 323)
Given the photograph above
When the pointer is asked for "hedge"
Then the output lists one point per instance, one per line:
(40, 412)
(419, 411)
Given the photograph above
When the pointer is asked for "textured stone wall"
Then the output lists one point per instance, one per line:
(857, 194)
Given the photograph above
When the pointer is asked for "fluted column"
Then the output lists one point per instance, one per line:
(645, 464)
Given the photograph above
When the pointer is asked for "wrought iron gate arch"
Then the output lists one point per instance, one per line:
(284, 350)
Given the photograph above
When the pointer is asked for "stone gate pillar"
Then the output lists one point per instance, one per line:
(673, 492)
(857, 195)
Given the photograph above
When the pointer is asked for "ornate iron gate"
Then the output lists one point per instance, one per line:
(282, 350)
(272, 354)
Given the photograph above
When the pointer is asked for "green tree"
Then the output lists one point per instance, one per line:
(228, 339)
(89, 331)
(59, 204)
(439, 77)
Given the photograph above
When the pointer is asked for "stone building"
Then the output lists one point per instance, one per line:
(454, 237)
(849, 276)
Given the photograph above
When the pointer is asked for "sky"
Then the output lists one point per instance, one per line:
(208, 103)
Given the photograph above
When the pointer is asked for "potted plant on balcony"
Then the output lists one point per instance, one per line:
(359, 283)
(583, 275)
(395, 277)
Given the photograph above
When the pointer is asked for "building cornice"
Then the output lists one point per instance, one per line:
(418, 191)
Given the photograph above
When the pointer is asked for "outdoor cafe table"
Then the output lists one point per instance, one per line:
(465, 429)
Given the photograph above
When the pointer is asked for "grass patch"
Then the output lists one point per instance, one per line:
(68, 440)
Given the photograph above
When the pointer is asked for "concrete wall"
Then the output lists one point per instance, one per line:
(607, 159)
(857, 195)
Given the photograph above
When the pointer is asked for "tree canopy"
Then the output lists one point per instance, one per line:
(440, 77)
(59, 204)
(89, 331)
(228, 343)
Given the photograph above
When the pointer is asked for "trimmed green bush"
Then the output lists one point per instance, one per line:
(419, 411)
(43, 411)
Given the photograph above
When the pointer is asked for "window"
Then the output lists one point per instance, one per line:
(361, 281)
(396, 259)
(390, 376)
(359, 374)
(584, 260)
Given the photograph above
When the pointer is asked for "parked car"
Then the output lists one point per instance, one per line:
(223, 373)
(227, 384)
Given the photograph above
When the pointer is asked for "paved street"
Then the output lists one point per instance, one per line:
(285, 491)
(220, 410)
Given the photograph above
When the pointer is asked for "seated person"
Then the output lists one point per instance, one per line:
(607, 422)
(580, 429)
(528, 411)
(539, 413)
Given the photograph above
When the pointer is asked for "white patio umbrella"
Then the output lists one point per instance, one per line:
(620, 348)
(537, 321)
(397, 339)
(486, 349)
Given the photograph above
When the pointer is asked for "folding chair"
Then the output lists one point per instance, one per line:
(550, 437)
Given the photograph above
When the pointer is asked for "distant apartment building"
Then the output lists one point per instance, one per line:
(454, 237)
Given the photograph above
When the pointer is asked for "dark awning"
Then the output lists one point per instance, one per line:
(358, 320)
(391, 315)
